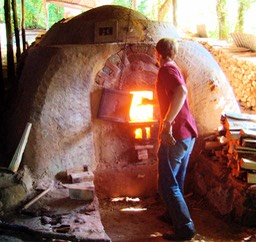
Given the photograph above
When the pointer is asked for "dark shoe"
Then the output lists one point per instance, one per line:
(166, 218)
(179, 237)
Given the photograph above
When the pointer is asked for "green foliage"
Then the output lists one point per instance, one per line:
(1, 11)
(142, 7)
(213, 34)
(124, 3)
(146, 10)
(246, 3)
(221, 8)
(37, 17)
(55, 14)
(36, 14)
(244, 6)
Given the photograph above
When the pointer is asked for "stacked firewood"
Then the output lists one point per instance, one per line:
(236, 140)
(239, 66)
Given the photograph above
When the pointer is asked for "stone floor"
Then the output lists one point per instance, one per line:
(55, 217)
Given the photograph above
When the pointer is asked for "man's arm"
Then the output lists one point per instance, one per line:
(177, 102)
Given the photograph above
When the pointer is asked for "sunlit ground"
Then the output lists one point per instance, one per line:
(128, 219)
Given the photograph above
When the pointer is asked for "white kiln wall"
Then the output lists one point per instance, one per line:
(56, 99)
(59, 96)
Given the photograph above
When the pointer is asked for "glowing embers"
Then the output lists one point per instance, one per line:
(142, 133)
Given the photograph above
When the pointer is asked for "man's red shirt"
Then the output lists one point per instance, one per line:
(168, 79)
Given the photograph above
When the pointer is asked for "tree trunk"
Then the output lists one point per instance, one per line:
(243, 7)
(46, 14)
(1, 73)
(164, 9)
(16, 29)
(175, 12)
(2, 109)
(10, 57)
(134, 5)
(2, 85)
(222, 19)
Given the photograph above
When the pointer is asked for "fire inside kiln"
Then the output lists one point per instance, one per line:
(128, 107)
(141, 114)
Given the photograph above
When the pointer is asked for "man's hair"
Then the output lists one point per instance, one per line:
(167, 47)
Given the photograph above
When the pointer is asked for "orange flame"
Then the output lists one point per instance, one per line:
(138, 111)
(141, 113)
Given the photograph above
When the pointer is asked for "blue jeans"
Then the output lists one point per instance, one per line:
(172, 166)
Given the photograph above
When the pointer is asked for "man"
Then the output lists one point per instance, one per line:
(176, 139)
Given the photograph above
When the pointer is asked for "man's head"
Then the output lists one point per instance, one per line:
(167, 48)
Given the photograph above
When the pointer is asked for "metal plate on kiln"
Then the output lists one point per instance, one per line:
(115, 105)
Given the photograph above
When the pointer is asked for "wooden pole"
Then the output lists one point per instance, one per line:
(16, 30)
(15, 163)
(23, 33)
(2, 92)
(2, 107)
(26, 206)
(10, 57)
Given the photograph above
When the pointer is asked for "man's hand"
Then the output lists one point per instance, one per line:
(167, 139)
(166, 135)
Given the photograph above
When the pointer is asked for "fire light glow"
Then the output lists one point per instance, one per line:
(138, 133)
(147, 132)
(138, 111)
(126, 199)
(141, 113)
(129, 200)
(133, 209)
